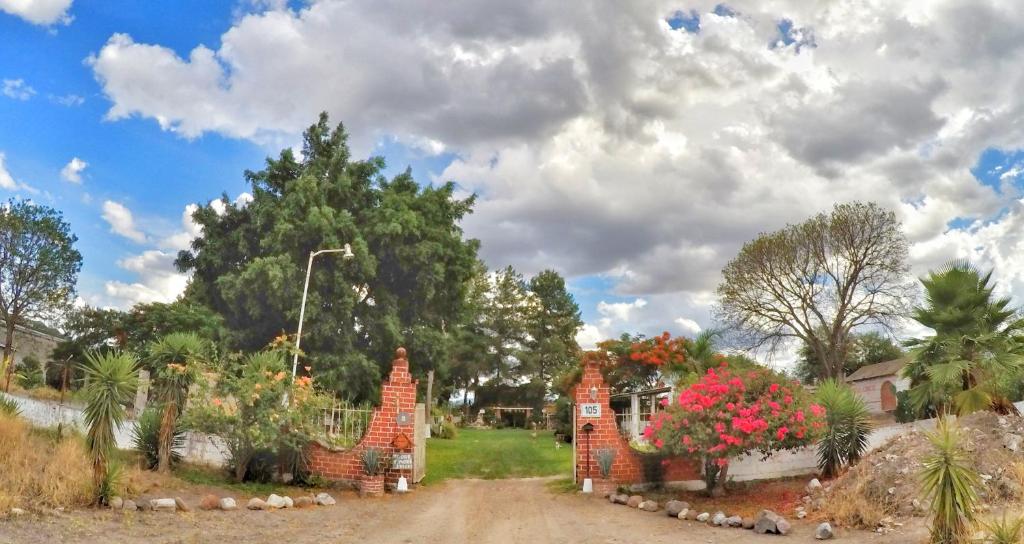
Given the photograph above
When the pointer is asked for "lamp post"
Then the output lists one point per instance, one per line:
(346, 252)
(588, 483)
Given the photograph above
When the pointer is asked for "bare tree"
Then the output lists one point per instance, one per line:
(819, 280)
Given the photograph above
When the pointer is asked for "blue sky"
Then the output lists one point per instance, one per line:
(635, 162)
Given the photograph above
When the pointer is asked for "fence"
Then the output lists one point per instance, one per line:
(343, 425)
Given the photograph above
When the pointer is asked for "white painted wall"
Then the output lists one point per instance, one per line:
(199, 448)
(805, 460)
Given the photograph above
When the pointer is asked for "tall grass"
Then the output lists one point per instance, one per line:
(35, 471)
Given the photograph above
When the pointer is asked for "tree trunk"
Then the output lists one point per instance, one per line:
(9, 354)
(166, 438)
(723, 475)
(241, 464)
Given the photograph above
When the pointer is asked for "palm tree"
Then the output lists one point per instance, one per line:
(110, 381)
(977, 347)
(176, 359)
(702, 352)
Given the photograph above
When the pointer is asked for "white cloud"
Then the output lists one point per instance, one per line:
(72, 171)
(690, 326)
(600, 141)
(17, 89)
(40, 12)
(588, 336)
(8, 182)
(158, 280)
(69, 100)
(618, 311)
(121, 221)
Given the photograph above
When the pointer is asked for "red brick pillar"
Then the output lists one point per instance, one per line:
(592, 395)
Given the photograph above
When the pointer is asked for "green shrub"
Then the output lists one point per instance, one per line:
(446, 430)
(9, 407)
(30, 373)
(847, 427)
(146, 437)
(950, 483)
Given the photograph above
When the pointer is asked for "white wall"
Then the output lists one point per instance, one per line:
(805, 460)
(199, 448)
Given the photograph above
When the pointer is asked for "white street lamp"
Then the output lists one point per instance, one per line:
(346, 253)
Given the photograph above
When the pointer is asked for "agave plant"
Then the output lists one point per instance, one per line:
(950, 482)
(605, 459)
(847, 427)
(1005, 530)
(110, 381)
(9, 407)
(373, 461)
(176, 359)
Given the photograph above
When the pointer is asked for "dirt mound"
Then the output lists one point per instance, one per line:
(886, 484)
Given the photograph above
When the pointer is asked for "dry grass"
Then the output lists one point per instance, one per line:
(37, 472)
(857, 504)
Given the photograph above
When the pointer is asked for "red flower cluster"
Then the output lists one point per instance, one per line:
(659, 350)
(725, 415)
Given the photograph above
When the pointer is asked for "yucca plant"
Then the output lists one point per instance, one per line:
(949, 482)
(847, 427)
(605, 459)
(112, 483)
(110, 381)
(176, 358)
(373, 461)
(146, 437)
(1005, 530)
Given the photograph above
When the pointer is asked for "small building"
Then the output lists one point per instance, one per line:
(878, 384)
(32, 339)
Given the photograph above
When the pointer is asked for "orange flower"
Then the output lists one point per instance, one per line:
(280, 376)
(217, 402)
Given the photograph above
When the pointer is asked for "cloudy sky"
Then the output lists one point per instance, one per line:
(633, 146)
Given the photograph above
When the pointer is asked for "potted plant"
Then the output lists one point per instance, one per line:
(605, 459)
(372, 483)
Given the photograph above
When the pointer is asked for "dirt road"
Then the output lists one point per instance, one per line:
(459, 511)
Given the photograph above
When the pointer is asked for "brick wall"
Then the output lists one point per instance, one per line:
(398, 394)
(628, 467)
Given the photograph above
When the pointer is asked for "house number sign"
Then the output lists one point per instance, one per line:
(590, 410)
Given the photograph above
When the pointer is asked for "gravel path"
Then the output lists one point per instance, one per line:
(459, 511)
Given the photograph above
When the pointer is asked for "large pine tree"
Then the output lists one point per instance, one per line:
(406, 283)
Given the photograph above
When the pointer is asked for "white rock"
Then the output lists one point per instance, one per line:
(163, 505)
(15, 512)
(116, 503)
(703, 516)
(323, 499)
(276, 501)
(814, 487)
(801, 514)
(682, 513)
(227, 504)
(288, 502)
(823, 532)
(718, 519)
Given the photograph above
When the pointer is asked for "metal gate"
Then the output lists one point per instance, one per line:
(419, 452)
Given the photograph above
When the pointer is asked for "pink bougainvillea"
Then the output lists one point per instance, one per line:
(725, 415)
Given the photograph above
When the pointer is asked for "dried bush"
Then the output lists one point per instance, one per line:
(40, 472)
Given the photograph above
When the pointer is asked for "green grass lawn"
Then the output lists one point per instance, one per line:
(496, 453)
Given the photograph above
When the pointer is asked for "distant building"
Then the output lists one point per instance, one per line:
(32, 339)
(878, 384)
